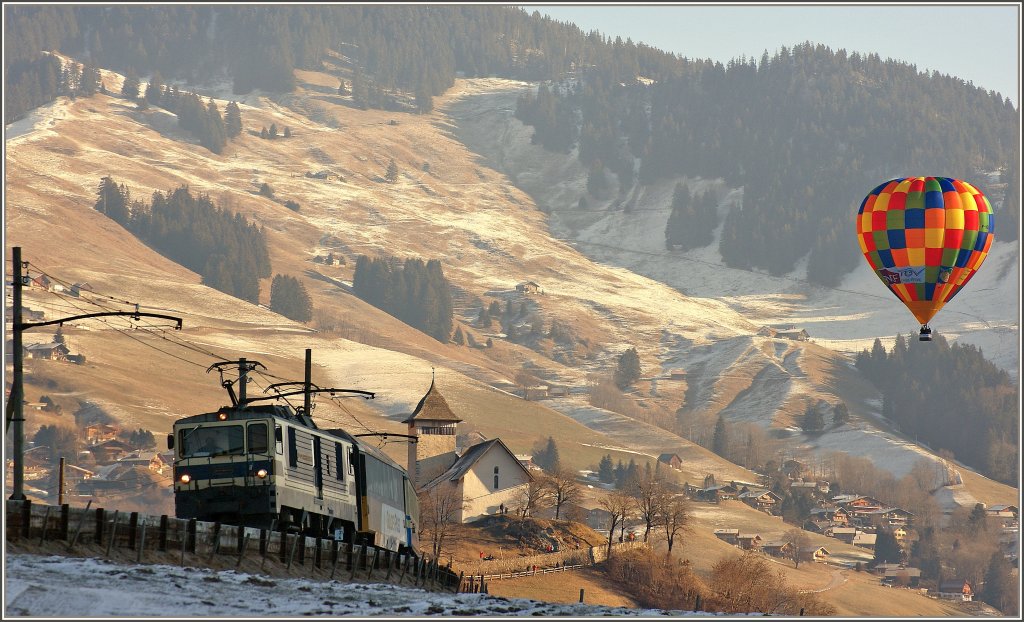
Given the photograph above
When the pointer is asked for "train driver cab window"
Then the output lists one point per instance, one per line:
(495, 478)
(258, 442)
(339, 458)
(278, 440)
(351, 462)
(293, 449)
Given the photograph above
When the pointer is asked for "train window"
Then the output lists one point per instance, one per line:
(203, 441)
(495, 478)
(278, 439)
(293, 449)
(258, 441)
(351, 462)
(339, 458)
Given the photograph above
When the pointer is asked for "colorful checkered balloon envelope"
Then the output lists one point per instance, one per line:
(925, 237)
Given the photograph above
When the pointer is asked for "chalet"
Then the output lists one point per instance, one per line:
(817, 526)
(802, 486)
(836, 516)
(864, 540)
(720, 492)
(151, 460)
(100, 432)
(529, 287)
(749, 541)
(1002, 511)
(727, 535)
(795, 335)
(778, 549)
(110, 451)
(74, 475)
(956, 589)
(486, 476)
(844, 534)
(889, 517)
(818, 554)
(764, 500)
(676, 374)
(558, 391)
(907, 577)
(885, 567)
(671, 460)
(899, 533)
(41, 281)
(50, 351)
(535, 392)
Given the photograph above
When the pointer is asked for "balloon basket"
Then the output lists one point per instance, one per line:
(926, 334)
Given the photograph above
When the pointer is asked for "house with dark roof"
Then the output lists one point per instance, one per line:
(671, 460)
(487, 475)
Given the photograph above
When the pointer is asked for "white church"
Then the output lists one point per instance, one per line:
(487, 475)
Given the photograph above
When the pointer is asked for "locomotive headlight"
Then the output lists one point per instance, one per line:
(185, 478)
(261, 473)
(223, 416)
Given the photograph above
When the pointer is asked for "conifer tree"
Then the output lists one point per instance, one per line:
(720, 440)
(233, 119)
(154, 90)
(288, 297)
(392, 173)
(628, 370)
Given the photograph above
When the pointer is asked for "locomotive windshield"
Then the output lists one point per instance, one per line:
(202, 441)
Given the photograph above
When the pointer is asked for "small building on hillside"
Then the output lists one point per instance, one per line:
(50, 351)
(100, 432)
(818, 554)
(749, 541)
(764, 500)
(535, 392)
(956, 589)
(671, 460)
(904, 577)
(778, 548)
(529, 287)
(864, 540)
(1002, 511)
(727, 535)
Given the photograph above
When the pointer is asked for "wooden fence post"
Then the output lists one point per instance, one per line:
(335, 556)
(581, 594)
(81, 523)
(65, 521)
(317, 553)
(214, 541)
(133, 529)
(26, 518)
(192, 536)
(100, 525)
(164, 523)
(113, 533)
(373, 564)
(245, 544)
(355, 563)
(348, 556)
(142, 542)
(295, 544)
(46, 520)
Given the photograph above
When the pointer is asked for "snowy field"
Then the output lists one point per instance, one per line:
(78, 588)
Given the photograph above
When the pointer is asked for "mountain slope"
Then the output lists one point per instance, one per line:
(448, 204)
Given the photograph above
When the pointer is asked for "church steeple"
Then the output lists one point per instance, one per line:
(435, 427)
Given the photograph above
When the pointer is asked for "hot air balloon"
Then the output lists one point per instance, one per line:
(925, 237)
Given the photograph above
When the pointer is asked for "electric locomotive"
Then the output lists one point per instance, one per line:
(271, 467)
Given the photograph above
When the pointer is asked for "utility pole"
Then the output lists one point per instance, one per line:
(16, 403)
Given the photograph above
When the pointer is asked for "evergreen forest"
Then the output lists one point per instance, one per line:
(228, 252)
(949, 398)
(415, 292)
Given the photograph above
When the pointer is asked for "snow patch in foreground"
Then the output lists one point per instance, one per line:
(57, 586)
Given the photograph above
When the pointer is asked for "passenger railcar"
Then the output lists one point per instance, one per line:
(270, 466)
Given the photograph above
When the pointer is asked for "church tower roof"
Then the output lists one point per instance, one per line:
(432, 407)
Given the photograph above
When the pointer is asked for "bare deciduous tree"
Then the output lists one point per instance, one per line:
(534, 497)
(618, 505)
(439, 515)
(562, 488)
(675, 519)
(651, 496)
(801, 543)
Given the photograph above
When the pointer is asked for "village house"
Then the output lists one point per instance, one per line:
(889, 517)
(535, 392)
(843, 534)
(778, 549)
(110, 451)
(151, 460)
(487, 476)
(49, 351)
(529, 287)
(100, 432)
(864, 540)
(749, 541)
(676, 374)
(819, 554)
(956, 589)
(727, 535)
(1002, 511)
(817, 526)
(671, 460)
(904, 577)
(716, 493)
(764, 500)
